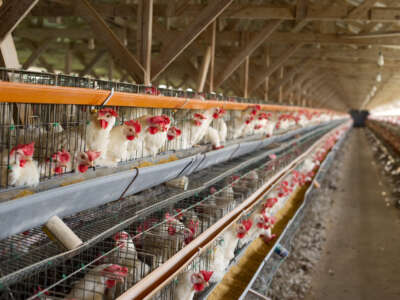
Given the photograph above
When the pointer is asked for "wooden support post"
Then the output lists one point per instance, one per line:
(267, 65)
(280, 99)
(144, 32)
(8, 53)
(246, 51)
(110, 67)
(183, 40)
(12, 13)
(36, 53)
(212, 63)
(246, 77)
(275, 65)
(92, 63)
(204, 70)
(68, 60)
(122, 56)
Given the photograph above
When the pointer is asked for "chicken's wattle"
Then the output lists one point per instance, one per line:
(130, 137)
(22, 163)
(83, 168)
(103, 124)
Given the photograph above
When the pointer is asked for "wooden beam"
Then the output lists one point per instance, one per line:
(36, 53)
(212, 62)
(68, 60)
(361, 9)
(246, 51)
(267, 65)
(92, 63)
(183, 40)
(301, 66)
(145, 31)
(121, 54)
(110, 68)
(8, 53)
(204, 70)
(246, 77)
(280, 98)
(12, 13)
(275, 65)
(301, 14)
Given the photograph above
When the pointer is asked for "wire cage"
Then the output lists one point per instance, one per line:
(64, 133)
(156, 223)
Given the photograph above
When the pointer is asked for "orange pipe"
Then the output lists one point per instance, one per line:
(48, 94)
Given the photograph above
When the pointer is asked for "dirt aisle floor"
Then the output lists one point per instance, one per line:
(361, 257)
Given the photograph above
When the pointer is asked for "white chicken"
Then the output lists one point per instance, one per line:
(127, 256)
(59, 163)
(217, 135)
(98, 131)
(119, 138)
(23, 170)
(86, 160)
(188, 283)
(153, 137)
(97, 282)
(243, 121)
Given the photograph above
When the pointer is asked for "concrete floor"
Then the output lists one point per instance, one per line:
(361, 257)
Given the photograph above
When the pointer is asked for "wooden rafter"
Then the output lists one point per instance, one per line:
(274, 66)
(246, 51)
(92, 63)
(42, 47)
(121, 54)
(212, 62)
(145, 31)
(12, 13)
(183, 40)
(205, 65)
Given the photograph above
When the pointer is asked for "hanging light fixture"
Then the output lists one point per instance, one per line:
(379, 77)
(381, 60)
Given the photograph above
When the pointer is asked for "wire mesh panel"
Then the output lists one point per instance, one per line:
(132, 236)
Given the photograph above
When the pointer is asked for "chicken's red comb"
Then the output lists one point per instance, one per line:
(176, 130)
(64, 156)
(247, 224)
(121, 236)
(166, 119)
(27, 149)
(116, 269)
(206, 275)
(103, 111)
(135, 125)
(93, 155)
(199, 116)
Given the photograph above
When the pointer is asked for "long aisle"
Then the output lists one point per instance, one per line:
(361, 258)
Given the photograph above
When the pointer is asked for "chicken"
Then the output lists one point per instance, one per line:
(59, 163)
(174, 142)
(195, 128)
(98, 282)
(243, 121)
(259, 218)
(218, 132)
(86, 160)
(153, 138)
(127, 256)
(188, 283)
(23, 170)
(119, 138)
(231, 238)
(98, 132)
(213, 137)
(267, 236)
